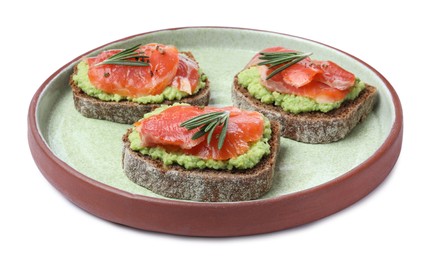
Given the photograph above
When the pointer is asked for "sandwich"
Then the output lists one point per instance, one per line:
(315, 101)
(205, 154)
(121, 85)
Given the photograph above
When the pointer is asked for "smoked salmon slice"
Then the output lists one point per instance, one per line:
(164, 130)
(187, 76)
(166, 67)
(323, 81)
(333, 75)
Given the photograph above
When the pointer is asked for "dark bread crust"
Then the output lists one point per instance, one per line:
(202, 185)
(311, 127)
(127, 112)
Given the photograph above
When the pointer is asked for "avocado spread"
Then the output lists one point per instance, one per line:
(82, 81)
(245, 161)
(250, 79)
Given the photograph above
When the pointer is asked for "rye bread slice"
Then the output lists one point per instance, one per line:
(127, 112)
(311, 127)
(206, 185)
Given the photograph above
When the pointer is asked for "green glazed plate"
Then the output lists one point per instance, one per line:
(93, 147)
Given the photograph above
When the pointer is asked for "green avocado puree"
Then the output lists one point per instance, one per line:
(81, 79)
(250, 79)
(244, 161)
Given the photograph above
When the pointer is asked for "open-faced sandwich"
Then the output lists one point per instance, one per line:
(121, 85)
(315, 101)
(202, 153)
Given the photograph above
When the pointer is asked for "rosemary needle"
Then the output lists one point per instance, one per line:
(127, 57)
(285, 59)
(207, 124)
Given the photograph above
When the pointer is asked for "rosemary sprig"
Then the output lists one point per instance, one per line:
(277, 58)
(127, 57)
(207, 124)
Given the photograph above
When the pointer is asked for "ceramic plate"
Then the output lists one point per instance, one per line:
(81, 157)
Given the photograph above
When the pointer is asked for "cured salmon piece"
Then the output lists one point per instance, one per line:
(314, 89)
(320, 92)
(333, 75)
(244, 128)
(136, 81)
(299, 74)
(164, 129)
(323, 81)
(187, 76)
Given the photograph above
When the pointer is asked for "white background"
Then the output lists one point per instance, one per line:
(38, 37)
